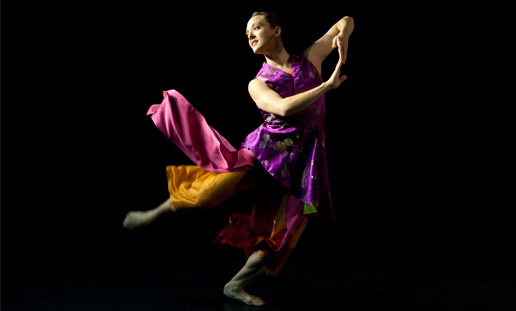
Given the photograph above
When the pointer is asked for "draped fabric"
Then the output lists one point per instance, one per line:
(178, 120)
(283, 160)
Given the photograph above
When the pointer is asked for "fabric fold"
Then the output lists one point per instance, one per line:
(278, 152)
(182, 124)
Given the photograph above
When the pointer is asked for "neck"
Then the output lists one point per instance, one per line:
(278, 58)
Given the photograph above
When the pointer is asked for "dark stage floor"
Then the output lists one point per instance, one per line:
(193, 283)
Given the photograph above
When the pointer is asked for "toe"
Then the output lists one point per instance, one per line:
(256, 301)
(129, 221)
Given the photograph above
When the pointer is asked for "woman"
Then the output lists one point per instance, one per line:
(284, 158)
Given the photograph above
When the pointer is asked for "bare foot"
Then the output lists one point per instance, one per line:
(138, 219)
(234, 292)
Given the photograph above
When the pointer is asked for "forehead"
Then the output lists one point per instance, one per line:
(256, 19)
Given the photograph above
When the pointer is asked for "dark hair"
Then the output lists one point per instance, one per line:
(271, 18)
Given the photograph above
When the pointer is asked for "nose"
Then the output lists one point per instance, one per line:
(251, 35)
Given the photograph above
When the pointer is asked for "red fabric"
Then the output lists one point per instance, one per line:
(256, 232)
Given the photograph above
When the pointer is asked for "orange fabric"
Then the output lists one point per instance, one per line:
(191, 186)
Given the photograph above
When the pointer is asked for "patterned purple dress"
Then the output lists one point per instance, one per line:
(292, 149)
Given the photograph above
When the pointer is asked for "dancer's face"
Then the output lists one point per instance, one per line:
(262, 37)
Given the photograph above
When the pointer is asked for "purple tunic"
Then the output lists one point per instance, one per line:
(292, 149)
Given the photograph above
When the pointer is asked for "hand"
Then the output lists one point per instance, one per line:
(334, 81)
(341, 41)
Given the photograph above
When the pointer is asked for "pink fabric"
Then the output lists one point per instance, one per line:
(178, 120)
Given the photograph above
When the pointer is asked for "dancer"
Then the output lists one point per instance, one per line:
(283, 160)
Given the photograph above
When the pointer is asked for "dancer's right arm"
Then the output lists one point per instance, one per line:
(270, 101)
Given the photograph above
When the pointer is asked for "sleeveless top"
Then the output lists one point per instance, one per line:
(293, 148)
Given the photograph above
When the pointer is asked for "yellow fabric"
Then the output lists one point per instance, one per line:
(192, 186)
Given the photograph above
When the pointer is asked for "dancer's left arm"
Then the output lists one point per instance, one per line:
(336, 36)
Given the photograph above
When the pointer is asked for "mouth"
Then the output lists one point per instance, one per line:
(254, 42)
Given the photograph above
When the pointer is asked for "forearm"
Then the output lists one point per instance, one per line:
(270, 101)
(295, 103)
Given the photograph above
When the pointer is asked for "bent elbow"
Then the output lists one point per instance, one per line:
(288, 107)
(287, 112)
(280, 108)
(283, 112)
(285, 109)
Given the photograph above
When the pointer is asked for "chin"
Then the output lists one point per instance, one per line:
(257, 51)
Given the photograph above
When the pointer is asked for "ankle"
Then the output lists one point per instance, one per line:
(233, 286)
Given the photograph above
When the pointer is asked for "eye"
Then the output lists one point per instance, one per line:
(256, 27)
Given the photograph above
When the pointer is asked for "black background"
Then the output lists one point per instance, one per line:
(417, 166)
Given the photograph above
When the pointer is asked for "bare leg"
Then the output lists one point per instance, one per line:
(138, 219)
(252, 270)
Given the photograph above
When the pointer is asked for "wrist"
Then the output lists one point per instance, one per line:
(325, 87)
